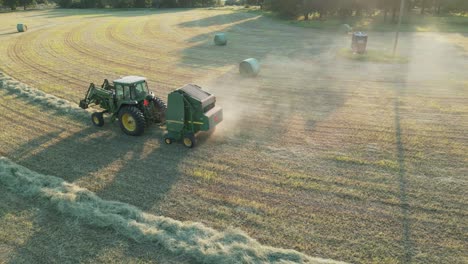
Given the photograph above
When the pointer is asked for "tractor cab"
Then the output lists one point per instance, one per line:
(132, 88)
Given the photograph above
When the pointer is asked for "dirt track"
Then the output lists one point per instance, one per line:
(346, 160)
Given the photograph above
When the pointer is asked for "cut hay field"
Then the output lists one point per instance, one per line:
(341, 159)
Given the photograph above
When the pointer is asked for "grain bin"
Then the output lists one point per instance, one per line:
(21, 27)
(220, 39)
(249, 67)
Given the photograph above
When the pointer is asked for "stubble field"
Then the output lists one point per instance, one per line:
(348, 160)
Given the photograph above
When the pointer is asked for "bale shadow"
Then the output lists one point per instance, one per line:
(135, 170)
(9, 33)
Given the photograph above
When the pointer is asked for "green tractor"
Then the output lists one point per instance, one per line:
(127, 100)
(190, 109)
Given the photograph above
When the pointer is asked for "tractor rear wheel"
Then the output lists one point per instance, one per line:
(161, 108)
(132, 121)
(97, 119)
(189, 140)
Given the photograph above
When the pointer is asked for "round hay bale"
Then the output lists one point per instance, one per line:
(249, 67)
(220, 39)
(22, 27)
(345, 28)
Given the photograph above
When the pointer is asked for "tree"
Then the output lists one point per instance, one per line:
(168, 3)
(143, 3)
(122, 3)
(88, 3)
(313, 6)
(287, 8)
(11, 4)
(26, 3)
(453, 6)
(64, 3)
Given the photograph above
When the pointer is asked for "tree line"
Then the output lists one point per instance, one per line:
(13, 4)
(346, 8)
(287, 8)
(136, 3)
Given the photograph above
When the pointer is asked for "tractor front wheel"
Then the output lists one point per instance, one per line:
(132, 121)
(97, 119)
(189, 140)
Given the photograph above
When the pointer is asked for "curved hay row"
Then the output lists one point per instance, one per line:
(38, 97)
(193, 240)
(64, 58)
(37, 71)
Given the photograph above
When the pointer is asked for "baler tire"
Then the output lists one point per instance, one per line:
(132, 121)
(97, 119)
(189, 140)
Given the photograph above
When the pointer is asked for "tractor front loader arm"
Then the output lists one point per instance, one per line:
(89, 98)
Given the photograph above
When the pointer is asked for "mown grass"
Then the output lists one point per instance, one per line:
(192, 240)
(385, 164)
(337, 159)
(205, 175)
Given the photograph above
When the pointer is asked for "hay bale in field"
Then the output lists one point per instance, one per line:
(220, 39)
(189, 239)
(249, 67)
(345, 28)
(21, 27)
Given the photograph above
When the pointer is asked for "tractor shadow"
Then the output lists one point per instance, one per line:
(134, 170)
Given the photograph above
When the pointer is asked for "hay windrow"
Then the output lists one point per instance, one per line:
(38, 97)
(194, 240)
